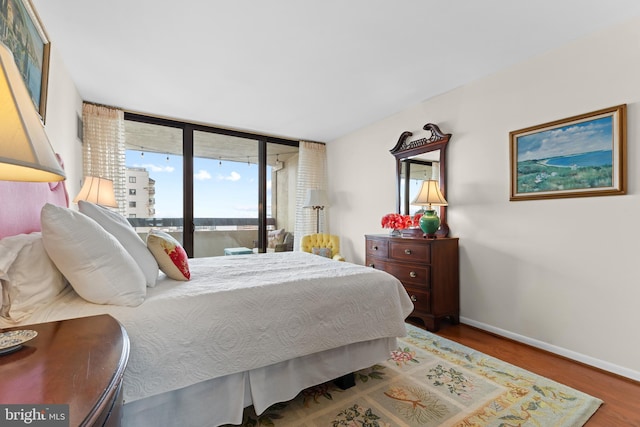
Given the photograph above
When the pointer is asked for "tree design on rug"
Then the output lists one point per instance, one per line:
(455, 381)
(358, 416)
(416, 404)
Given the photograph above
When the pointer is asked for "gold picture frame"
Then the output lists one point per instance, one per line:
(579, 156)
(22, 32)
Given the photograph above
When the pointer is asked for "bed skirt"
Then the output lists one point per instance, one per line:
(222, 400)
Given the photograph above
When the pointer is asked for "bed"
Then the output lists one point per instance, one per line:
(244, 330)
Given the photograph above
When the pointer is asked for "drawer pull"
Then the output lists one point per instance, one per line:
(407, 251)
(413, 274)
(414, 298)
(375, 248)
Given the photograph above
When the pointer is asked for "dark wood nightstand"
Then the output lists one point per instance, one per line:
(79, 362)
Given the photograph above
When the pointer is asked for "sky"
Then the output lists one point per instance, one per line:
(593, 135)
(221, 189)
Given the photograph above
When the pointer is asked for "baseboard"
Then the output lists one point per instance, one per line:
(578, 357)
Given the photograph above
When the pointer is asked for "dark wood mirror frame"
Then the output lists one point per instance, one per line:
(405, 150)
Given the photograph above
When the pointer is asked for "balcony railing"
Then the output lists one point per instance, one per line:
(212, 235)
(211, 223)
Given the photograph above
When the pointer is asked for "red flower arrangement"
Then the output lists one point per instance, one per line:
(400, 222)
(416, 219)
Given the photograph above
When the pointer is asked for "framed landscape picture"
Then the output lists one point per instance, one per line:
(22, 32)
(575, 157)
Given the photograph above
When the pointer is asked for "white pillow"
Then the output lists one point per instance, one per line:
(98, 267)
(29, 277)
(120, 228)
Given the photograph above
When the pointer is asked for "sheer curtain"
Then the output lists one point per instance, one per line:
(104, 147)
(312, 174)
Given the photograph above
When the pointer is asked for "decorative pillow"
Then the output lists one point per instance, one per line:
(98, 267)
(169, 254)
(325, 252)
(275, 237)
(120, 228)
(29, 277)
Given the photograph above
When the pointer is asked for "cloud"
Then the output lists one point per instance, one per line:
(567, 140)
(202, 175)
(233, 176)
(155, 168)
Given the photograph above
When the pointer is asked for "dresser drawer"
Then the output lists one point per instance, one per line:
(377, 248)
(421, 299)
(418, 275)
(409, 251)
(377, 263)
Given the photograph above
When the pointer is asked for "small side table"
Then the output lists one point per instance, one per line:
(79, 362)
(237, 251)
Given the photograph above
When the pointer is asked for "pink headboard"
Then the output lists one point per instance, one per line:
(21, 203)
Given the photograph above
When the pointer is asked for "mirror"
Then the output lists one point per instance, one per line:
(418, 160)
(413, 172)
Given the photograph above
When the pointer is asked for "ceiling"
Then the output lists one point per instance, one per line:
(302, 69)
(145, 137)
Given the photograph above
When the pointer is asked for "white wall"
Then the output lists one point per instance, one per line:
(562, 274)
(64, 105)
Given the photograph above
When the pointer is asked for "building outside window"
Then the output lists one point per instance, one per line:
(140, 198)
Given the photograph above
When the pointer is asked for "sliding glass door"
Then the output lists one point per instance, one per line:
(225, 193)
(154, 177)
(211, 188)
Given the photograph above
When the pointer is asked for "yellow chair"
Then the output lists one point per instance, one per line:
(316, 242)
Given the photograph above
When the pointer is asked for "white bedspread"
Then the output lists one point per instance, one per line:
(243, 312)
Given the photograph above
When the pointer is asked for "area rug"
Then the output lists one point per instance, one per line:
(432, 381)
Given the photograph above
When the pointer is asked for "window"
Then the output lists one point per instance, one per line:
(132, 204)
(226, 185)
(132, 179)
(132, 191)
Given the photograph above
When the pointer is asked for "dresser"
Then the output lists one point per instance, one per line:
(428, 269)
(77, 362)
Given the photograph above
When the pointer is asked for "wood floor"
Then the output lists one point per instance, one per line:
(621, 396)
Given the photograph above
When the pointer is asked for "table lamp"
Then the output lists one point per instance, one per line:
(25, 151)
(430, 195)
(98, 191)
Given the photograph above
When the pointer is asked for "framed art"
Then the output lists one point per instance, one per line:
(578, 156)
(22, 32)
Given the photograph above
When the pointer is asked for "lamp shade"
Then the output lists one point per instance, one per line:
(315, 199)
(25, 151)
(430, 195)
(97, 190)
